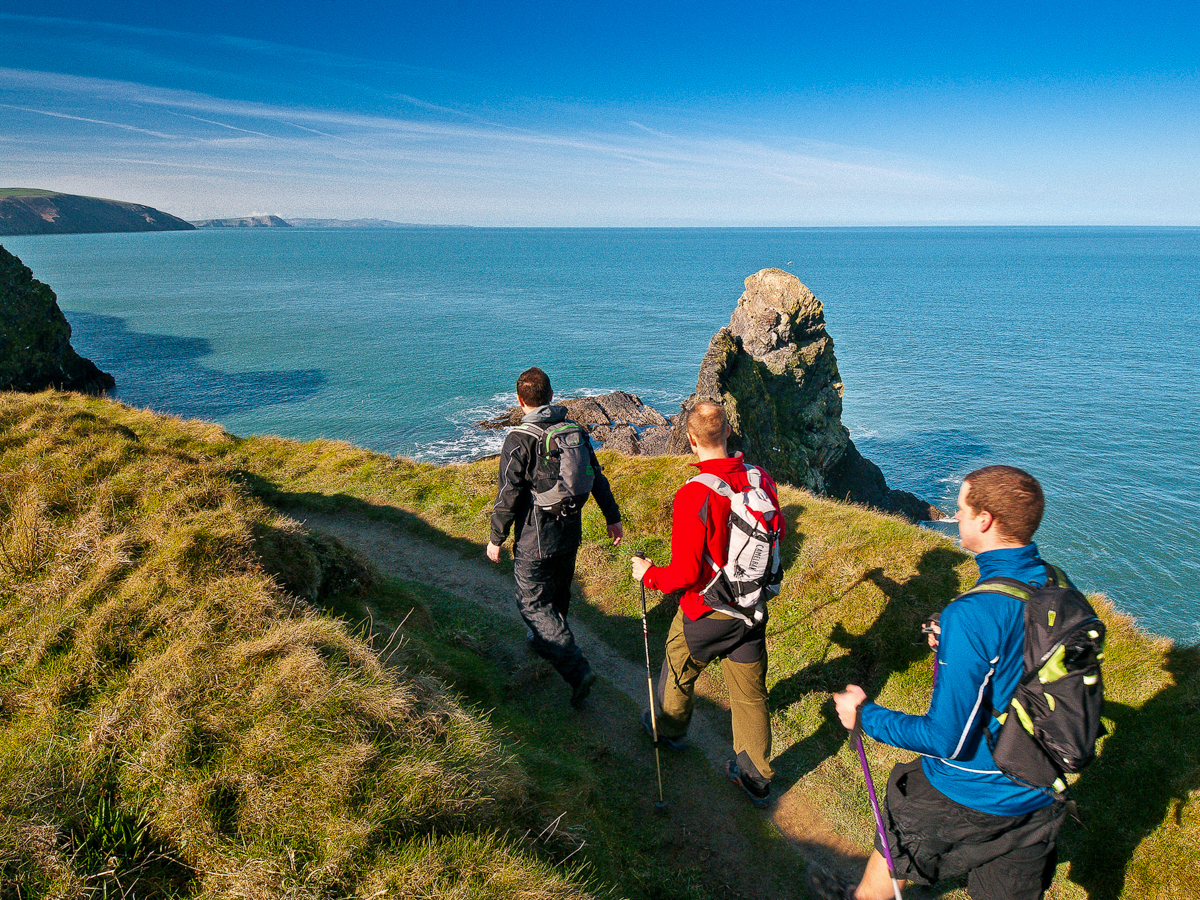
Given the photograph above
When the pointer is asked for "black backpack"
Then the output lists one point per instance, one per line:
(562, 474)
(1053, 720)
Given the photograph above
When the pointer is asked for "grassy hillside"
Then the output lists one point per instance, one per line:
(32, 211)
(156, 678)
(173, 723)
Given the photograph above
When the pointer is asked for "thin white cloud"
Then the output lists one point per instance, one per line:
(219, 124)
(59, 115)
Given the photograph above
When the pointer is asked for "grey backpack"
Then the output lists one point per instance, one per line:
(753, 571)
(563, 474)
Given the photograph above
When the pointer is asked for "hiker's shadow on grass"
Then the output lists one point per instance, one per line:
(891, 644)
(1145, 774)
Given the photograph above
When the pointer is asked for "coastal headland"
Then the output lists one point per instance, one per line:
(32, 211)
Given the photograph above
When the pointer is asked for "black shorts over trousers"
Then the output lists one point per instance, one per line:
(932, 838)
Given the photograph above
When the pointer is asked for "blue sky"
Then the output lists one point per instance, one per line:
(558, 113)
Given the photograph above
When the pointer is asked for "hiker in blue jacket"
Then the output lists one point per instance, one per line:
(952, 812)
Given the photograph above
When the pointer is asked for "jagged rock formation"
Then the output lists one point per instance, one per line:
(774, 369)
(35, 338)
(29, 211)
(619, 421)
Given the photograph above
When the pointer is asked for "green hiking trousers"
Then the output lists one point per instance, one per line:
(691, 646)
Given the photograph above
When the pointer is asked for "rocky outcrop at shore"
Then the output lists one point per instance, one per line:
(35, 338)
(619, 421)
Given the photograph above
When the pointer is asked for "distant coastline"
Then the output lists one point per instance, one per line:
(280, 222)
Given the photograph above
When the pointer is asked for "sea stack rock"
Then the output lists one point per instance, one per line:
(35, 338)
(774, 369)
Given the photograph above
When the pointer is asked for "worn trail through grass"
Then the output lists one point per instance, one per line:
(401, 554)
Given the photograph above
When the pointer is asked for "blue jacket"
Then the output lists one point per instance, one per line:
(979, 664)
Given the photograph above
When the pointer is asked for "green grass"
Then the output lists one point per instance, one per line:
(25, 192)
(141, 562)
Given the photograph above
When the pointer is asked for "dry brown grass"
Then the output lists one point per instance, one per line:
(172, 718)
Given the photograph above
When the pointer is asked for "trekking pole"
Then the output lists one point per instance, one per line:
(887, 852)
(661, 805)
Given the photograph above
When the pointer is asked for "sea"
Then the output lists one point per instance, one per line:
(1071, 352)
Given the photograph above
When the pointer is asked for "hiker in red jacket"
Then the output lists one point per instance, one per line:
(730, 632)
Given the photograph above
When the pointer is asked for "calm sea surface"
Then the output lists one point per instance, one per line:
(1073, 353)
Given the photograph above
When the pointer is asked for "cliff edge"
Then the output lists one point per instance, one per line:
(35, 338)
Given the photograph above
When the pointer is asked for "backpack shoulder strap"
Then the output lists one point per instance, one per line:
(1055, 577)
(713, 483)
(1012, 587)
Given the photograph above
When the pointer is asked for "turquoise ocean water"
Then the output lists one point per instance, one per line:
(1071, 352)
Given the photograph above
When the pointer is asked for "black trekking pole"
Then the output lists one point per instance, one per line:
(661, 805)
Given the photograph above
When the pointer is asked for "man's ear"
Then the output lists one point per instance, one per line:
(986, 520)
(728, 430)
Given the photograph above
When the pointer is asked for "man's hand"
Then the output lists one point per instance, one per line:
(493, 552)
(935, 631)
(616, 532)
(640, 565)
(847, 703)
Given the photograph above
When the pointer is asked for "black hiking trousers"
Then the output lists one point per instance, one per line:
(544, 597)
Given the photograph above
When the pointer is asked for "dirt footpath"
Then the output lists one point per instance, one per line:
(399, 553)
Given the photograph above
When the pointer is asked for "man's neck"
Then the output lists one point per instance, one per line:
(989, 546)
(704, 454)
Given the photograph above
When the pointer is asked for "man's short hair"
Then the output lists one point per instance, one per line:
(533, 387)
(1012, 496)
(706, 423)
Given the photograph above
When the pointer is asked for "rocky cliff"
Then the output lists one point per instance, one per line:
(27, 211)
(774, 369)
(35, 338)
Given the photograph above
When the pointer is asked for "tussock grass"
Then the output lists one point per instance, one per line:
(177, 719)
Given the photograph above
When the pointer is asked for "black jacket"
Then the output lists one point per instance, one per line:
(535, 533)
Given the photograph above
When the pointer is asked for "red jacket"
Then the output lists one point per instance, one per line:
(699, 521)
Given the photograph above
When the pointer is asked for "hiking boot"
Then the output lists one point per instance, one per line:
(670, 743)
(581, 690)
(760, 797)
(826, 885)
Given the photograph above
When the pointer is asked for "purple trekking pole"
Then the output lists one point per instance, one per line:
(887, 852)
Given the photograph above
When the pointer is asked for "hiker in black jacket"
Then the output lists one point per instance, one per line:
(546, 540)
